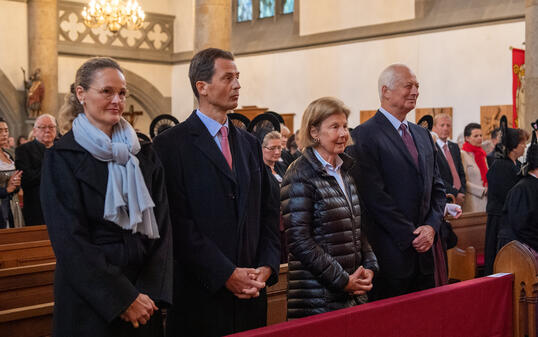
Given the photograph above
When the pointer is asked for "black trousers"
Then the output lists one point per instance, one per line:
(385, 286)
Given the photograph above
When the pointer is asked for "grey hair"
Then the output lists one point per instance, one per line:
(389, 76)
(40, 117)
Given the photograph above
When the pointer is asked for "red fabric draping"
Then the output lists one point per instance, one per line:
(479, 307)
(518, 59)
(479, 158)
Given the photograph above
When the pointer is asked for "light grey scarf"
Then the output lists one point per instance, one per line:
(127, 202)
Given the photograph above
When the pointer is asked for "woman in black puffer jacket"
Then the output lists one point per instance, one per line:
(331, 264)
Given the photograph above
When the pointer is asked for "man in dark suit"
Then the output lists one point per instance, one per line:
(28, 159)
(400, 185)
(449, 158)
(224, 213)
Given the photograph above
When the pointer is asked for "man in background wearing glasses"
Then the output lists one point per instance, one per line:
(28, 158)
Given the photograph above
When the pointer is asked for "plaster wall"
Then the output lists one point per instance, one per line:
(319, 16)
(183, 25)
(13, 41)
(463, 69)
(157, 74)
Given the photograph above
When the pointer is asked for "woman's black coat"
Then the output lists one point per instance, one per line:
(325, 240)
(100, 268)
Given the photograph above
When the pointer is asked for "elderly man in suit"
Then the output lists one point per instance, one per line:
(449, 159)
(399, 182)
(224, 213)
(28, 159)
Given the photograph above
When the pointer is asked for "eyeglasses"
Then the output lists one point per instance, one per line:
(109, 93)
(46, 127)
(274, 148)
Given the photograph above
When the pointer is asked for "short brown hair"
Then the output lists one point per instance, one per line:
(202, 66)
(318, 111)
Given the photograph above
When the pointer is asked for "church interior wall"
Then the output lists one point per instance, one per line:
(462, 68)
(13, 41)
(345, 14)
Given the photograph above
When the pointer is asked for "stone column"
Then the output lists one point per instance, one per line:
(213, 24)
(531, 65)
(43, 49)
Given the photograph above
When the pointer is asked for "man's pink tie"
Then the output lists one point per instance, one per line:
(450, 160)
(225, 145)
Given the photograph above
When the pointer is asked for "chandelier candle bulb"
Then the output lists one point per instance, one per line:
(114, 14)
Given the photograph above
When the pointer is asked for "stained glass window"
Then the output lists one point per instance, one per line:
(288, 7)
(244, 10)
(267, 8)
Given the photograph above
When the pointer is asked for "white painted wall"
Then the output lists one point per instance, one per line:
(183, 25)
(13, 41)
(463, 68)
(319, 16)
(157, 74)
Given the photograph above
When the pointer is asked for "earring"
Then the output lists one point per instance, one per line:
(316, 140)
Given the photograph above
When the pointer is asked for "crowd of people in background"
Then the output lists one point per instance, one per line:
(199, 220)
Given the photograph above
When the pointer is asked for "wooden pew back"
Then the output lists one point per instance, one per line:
(26, 253)
(520, 260)
(461, 263)
(23, 234)
(471, 230)
(277, 301)
(26, 285)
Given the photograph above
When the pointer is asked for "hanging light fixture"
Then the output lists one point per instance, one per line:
(114, 14)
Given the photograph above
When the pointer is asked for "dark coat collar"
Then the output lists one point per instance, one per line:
(88, 169)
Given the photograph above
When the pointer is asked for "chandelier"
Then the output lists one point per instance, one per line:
(114, 14)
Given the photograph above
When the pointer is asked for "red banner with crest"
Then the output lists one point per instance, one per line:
(518, 72)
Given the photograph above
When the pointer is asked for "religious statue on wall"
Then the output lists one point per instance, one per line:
(35, 92)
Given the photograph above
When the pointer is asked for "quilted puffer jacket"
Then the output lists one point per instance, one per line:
(325, 240)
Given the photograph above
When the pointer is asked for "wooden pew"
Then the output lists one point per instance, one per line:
(520, 260)
(461, 264)
(277, 302)
(26, 285)
(26, 253)
(30, 321)
(471, 231)
(24, 234)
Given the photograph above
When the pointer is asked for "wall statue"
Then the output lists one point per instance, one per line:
(35, 92)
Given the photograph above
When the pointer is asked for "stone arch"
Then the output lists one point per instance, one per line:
(147, 95)
(12, 106)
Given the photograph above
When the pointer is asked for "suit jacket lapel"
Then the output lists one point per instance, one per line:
(207, 145)
(94, 173)
(241, 167)
(392, 134)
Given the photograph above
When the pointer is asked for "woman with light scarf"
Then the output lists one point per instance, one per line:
(105, 206)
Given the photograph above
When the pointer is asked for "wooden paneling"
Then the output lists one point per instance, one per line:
(421, 112)
(24, 234)
(26, 285)
(518, 259)
(26, 253)
(471, 230)
(277, 302)
(31, 321)
(366, 115)
(490, 117)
